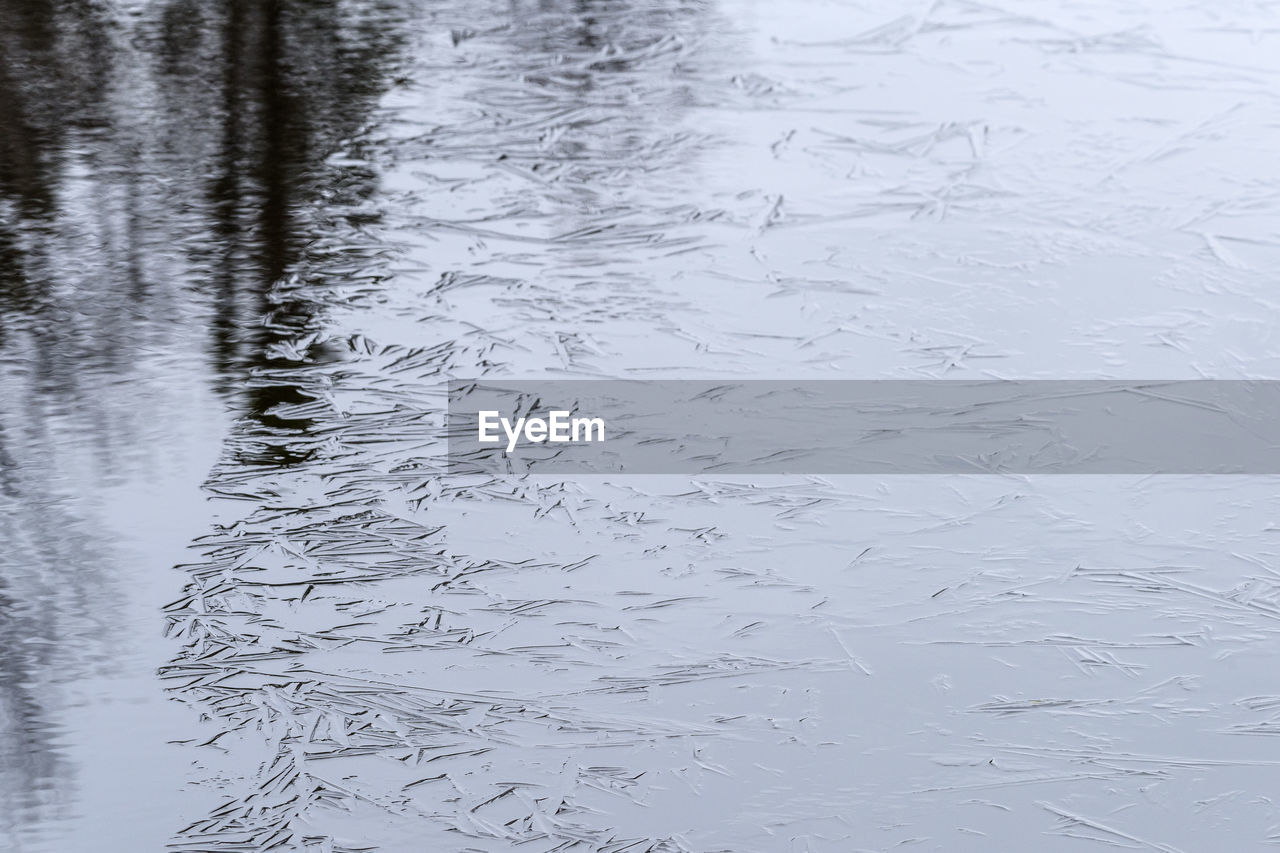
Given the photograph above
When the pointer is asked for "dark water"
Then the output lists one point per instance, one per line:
(163, 168)
(243, 607)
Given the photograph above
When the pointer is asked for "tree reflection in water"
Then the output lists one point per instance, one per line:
(163, 170)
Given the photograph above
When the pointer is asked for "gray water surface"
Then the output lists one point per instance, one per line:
(244, 605)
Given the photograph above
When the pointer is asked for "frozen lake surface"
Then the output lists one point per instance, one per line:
(243, 606)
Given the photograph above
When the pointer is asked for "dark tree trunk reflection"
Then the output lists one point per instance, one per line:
(162, 173)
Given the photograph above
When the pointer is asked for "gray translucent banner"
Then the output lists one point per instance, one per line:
(865, 427)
